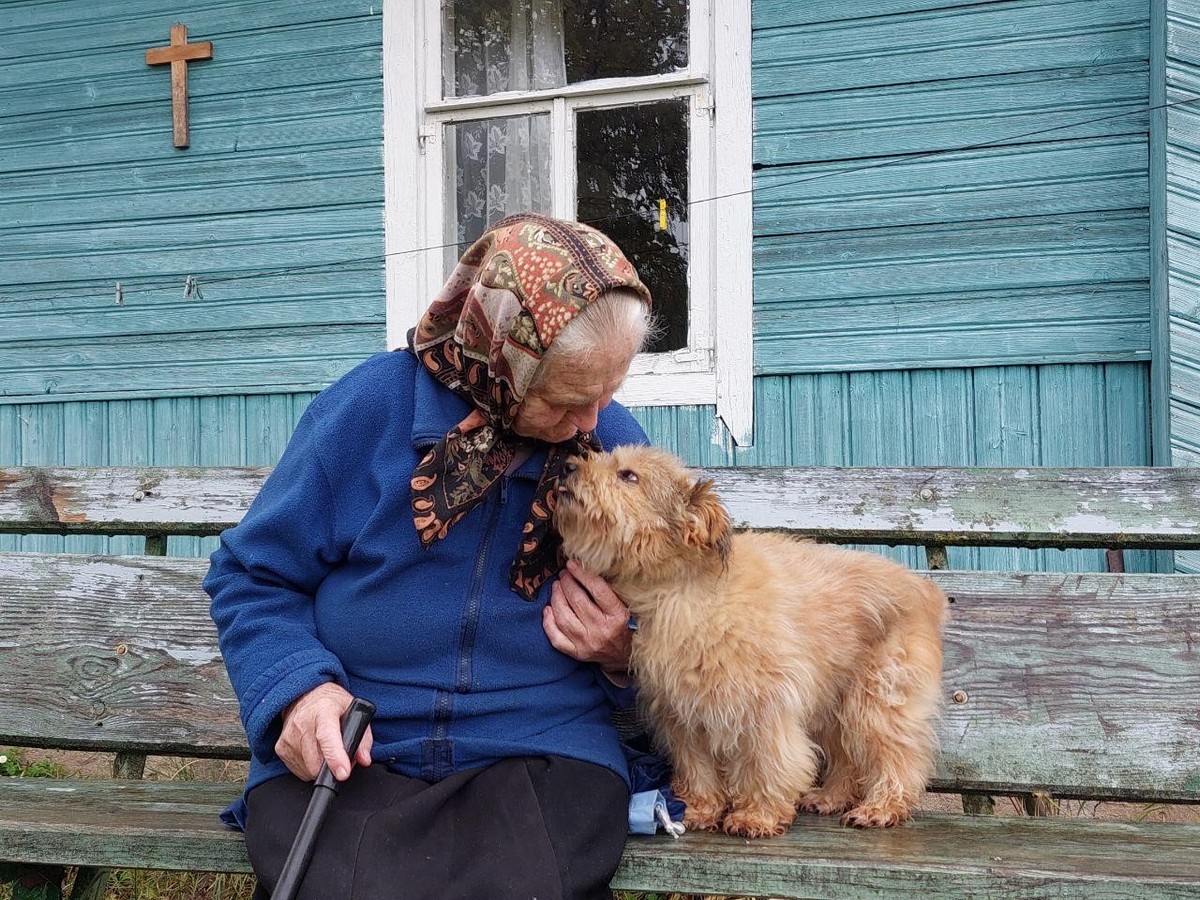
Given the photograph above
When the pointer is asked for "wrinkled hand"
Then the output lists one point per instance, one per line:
(586, 620)
(312, 734)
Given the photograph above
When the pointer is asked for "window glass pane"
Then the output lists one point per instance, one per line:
(631, 159)
(519, 45)
(619, 38)
(494, 167)
(501, 45)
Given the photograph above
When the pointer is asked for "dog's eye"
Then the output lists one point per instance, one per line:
(628, 475)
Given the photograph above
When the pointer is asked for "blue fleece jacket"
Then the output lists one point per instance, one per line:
(325, 580)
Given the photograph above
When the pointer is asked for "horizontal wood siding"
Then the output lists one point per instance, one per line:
(1183, 236)
(1065, 415)
(1078, 415)
(246, 430)
(876, 248)
(283, 178)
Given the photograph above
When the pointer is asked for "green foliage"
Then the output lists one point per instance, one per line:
(14, 763)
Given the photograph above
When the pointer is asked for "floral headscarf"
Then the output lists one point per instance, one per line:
(508, 298)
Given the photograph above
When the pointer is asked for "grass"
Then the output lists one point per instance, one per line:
(134, 884)
(131, 884)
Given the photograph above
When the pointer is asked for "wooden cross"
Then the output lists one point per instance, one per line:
(179, 54)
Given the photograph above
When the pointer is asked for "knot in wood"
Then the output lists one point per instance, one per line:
(94, 671)
(122, 649)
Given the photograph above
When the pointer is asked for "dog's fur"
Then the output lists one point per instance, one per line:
(763, 662)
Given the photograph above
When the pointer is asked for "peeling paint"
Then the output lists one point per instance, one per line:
(195, 657)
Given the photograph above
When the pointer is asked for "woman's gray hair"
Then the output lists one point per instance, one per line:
(618, 317)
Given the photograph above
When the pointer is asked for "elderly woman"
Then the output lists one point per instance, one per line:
(403, 551)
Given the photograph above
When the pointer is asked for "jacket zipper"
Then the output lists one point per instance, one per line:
(470, 624)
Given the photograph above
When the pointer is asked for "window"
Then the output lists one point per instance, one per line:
(633, 115)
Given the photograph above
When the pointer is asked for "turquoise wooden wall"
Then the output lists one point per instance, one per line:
(944, 184)
(879, 243)
(284, 172)
(987, 306)
(1182, 215)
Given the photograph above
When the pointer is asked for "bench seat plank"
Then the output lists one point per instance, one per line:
(1078, 684)
(174, 825)
(935, 856)
(125, 824)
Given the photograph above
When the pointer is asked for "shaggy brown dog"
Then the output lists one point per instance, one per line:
(759, 656)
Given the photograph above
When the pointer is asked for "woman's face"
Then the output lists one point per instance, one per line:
(570, 396)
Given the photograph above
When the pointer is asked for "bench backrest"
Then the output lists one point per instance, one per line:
(125, 501)
(1084, 684)
(1153, 508)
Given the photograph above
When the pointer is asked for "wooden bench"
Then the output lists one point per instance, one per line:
(1057, 685)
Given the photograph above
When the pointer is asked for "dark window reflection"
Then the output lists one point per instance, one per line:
(629, 159)
(619, 38)
(501, 45)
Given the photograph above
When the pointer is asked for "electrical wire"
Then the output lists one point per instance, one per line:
(131, 286)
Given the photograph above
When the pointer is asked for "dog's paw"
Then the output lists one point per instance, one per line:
(701, 820)
(702, 812)
(876, 816)
(753, 823)
(822, 803)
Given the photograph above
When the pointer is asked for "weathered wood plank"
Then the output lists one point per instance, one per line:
(935, 857)
(125, 824)
(977, 112)
(1069, 683)
(1140, 507)
(1053, 507)
(279, 360)
(125, 500)
(822, 335)
(1080, 685)
(1055, 178)
(112, 653)
(174, 825)
(1020, 253)
(988, 40)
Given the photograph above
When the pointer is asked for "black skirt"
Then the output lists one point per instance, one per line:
(544, 827)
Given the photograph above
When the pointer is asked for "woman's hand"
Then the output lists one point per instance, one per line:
(586, 620)
(312, 734)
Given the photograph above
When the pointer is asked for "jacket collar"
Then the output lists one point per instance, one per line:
(437, 409)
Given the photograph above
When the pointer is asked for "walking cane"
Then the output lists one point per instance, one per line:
(354, 724)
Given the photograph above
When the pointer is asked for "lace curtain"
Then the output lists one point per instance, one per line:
(501, 165)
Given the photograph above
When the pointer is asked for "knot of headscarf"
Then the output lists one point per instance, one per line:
(483, 336)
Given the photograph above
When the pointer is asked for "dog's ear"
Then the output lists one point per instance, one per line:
(707, 522)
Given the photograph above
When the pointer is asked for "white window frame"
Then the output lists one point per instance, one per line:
(716, 368)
